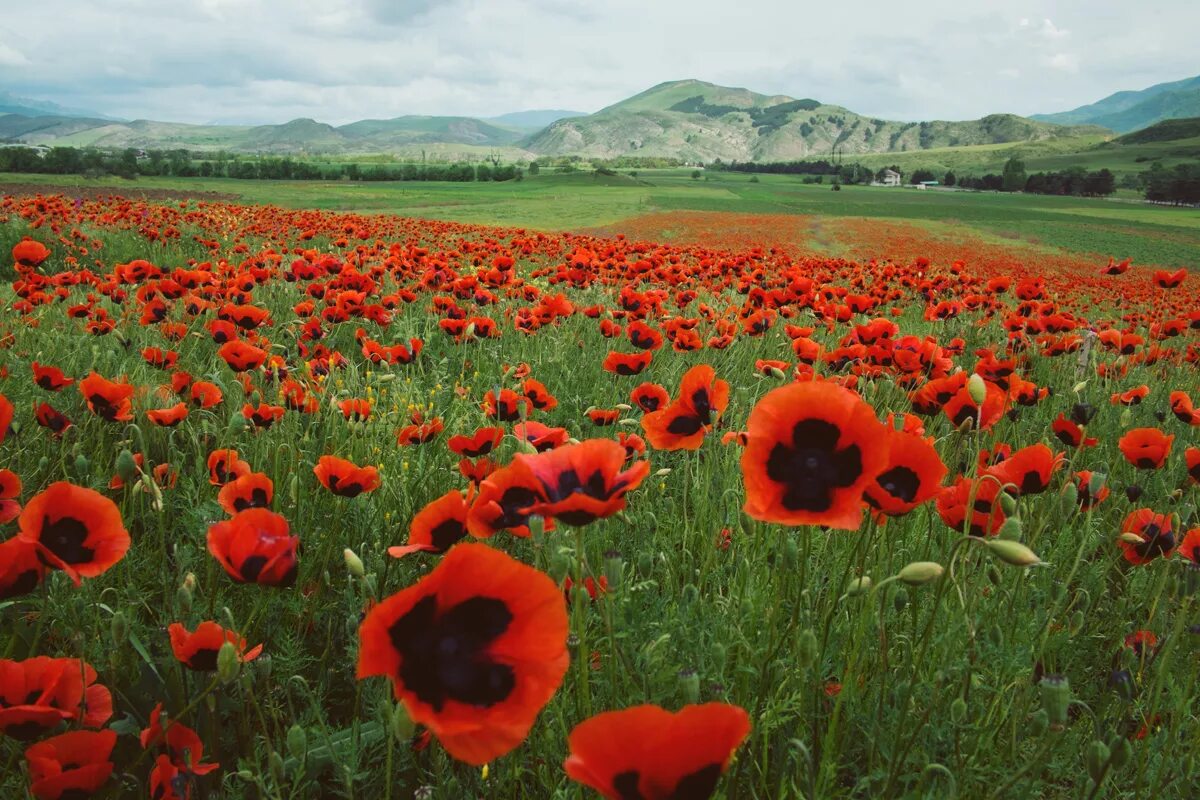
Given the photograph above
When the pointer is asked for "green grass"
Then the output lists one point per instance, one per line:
(1148, 234)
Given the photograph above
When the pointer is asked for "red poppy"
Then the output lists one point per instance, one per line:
(252, 490)
(503, 502)
(541, 437)
(583, 482)
(355, 409)
(10, 490)
(508, 406)
(197, 650)
(1141, 642)
(45, 416)
(242, 357)
(627, 364)
(1027, 471)
(75, 764)
(166, 777)
(634, 445)
(50, 378)
(474, 650)
(643, 337)
(1189, 548)
(912, 476)
(1146, 448)
(812, 450)
(538, 395)
(962, 409)
(1192, 457)
(476, 471)
(162, 359)
(75, 529)
(981, 498)
(30, 252)
(602, 417)
(683, 424)
(224, 466)
(106, 399)
(206, 395)
(419, 433)
(1083, 486)
(1131, 397)
(650, 397)
(40, 693)
(168, 417)
(344, 478)
(185, 749)
(482, 442)
(254, 547)
(21, 571)
(1154, 533)
(649, 753)
(1169, 280)
(263, 415)
(437, 526)
(1070, 434)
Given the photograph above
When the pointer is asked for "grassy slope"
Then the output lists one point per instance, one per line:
(1148, 234)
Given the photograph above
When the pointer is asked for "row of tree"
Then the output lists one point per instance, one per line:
(1179, 185)
(130, 163)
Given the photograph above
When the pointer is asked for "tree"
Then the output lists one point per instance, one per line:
(696, 174)
(950, 179)
(921, 175)
(534, 168)
(1013, 178)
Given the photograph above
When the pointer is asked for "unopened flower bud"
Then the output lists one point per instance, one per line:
(1008, 504)
(806, 648)
(977, 388)
(1012, 552)
(958, 710)
(353, 563)
(120, 629)
(275, 764)
(83, 467)
(900, 599)
(297, 743)
(689, 686)
(1121, 751)
(402, 724)
(1010, 530)
(859, 586)
(127, 468)
(1056, 699)
(614, 569)
(1095, 756)
(228, 663)
(921, 572)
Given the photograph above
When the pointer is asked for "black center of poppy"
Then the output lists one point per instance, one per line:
(27, 731)
(625, 784)
(703, 407)
(648, 403)
(257, 499)
(511, 503)
(351, 489)
(967, 412)
(1032, 483)
(1157, 542)
(685, 425)
(698, 785)
(812, 468)
(901, 483)
(204, 660)
(447, 533)
(103, 407)
(442, 656)
(64, 538)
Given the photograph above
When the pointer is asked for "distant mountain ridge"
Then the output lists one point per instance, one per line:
(1132, 110)
(700, 121)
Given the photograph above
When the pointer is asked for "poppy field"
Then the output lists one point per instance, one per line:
(299, 503)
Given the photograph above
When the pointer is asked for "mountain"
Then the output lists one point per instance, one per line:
(700, 121)
(533, 120)
(13, 104)
(1169, 130)
(1130, 110)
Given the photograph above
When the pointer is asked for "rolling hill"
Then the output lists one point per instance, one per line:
(700, 121)
(1131, 110)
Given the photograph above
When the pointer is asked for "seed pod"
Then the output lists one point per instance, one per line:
(919, 573)
(228, 663)
(83, 467)
(614, 569)
(1070, 498)
(1013, 552)
(183, 598)
(689, 686)
(718, 655)
(1056, 699)
(900, 599)
(1095, 756)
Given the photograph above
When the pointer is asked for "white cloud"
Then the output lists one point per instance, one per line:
(273, 60)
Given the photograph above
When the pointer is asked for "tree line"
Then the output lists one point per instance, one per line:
(131, 163)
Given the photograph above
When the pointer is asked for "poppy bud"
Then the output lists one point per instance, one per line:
(1076, 624)
(776, 372)
(297, 742)
(1070, 498)
(806, 648)
(1008, 504)
(402, 724)
(83, 467)
(1130, 538)
(614, 569)
(525, 446)
(995, 635)
(1121, 681)
(791, 554)
(1010, 530)
(921, 572)
(237, 424)
(1121, 751)
(1038, 722)
(623, 407)
(560, 565)
(689, 686)
(1012, 552)
(120, 629)
(1126, 417)
(1056, 699)
(993, 575)
(958, 710)
(294, 489)
(469, 332)
(245, 775)
(228, 663)
(859, 586)
(645, 564)
(1133, 492)
(353, 563)
(43, 463)
(662, 473)
(127, 467)
(977, 388)
(275, 763)
(718, 655)
(900, 599)
(690, 594)
(184, 599)
(1095, 756)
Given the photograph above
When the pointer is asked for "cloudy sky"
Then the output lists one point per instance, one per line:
(258, 61)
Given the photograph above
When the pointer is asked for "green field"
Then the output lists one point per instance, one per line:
(1121, 228)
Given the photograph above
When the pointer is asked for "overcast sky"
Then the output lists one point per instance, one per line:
(259, 61)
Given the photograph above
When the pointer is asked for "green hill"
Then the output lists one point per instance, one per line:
(1131, 110)
(1165, 131)
(700, 121)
